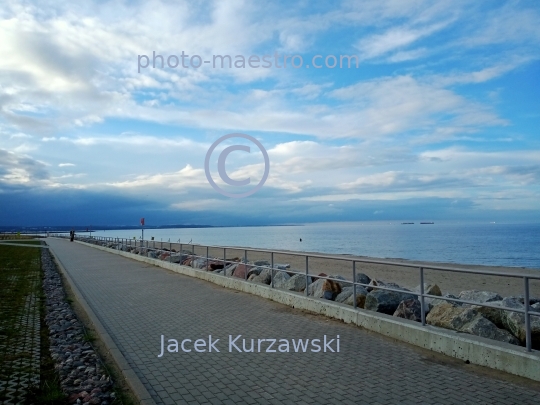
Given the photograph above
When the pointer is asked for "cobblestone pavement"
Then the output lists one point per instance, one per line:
(19, 334)
(137, 303)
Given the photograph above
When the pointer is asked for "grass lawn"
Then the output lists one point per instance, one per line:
(26, 369)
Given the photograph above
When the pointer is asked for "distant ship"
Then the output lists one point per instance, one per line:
(407, 223)
(427, 223)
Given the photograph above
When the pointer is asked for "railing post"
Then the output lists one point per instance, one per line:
(245, 265)
(307, 275)
(207, 257)
(272, 266)
(193, 256)
(527, 316)
(422, 303)
(354, 284)
(224, 261)
(170, 252)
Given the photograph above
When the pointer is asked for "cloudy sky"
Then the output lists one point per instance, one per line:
(440, 120)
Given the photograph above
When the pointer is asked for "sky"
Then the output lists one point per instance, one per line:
(436, 118)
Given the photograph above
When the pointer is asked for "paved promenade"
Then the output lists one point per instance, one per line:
(137, 303)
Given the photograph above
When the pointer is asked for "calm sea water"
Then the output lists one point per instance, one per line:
(515, 245)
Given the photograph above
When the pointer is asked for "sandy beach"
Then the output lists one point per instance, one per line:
(408, 277)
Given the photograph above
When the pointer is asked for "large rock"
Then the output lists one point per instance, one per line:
(315, 289)
(483, 327)
(340, 280)
(229, 269)
(331, 289)
(467, 320)
(178, 258)
(315, 278)
(241, 270)
(433, 302)
(385, 301)
(479, 296)
(199, 263)
(255, 270)
(361, 295)
(379, 283)
(264, 277)
(430, 289)
(450, 317)
(362, 278)
(297, 283)
(495, 315)
(409, 309)
(345, 293)
(262, 263)
(280, 279)
(514, 322)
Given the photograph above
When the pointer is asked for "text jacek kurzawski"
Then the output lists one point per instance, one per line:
(238, 344)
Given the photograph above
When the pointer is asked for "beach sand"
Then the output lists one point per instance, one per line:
(449, 282)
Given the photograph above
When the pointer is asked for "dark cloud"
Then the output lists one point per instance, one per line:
(12, 164)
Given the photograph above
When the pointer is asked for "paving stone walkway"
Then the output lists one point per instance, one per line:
(137, 303)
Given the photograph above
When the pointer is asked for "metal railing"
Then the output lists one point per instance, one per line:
(144, 244)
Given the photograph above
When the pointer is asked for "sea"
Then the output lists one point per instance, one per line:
(491, 244)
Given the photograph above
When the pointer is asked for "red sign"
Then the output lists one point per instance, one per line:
(142, 221)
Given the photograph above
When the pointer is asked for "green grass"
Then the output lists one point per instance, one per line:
(20, 278)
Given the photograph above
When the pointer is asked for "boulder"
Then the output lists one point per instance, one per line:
(479, 296)
(315, 278)
(432, 302)
(374, 283)
(493, 314)
(451, 317)
(265, 276)
(331, 289)
(262, 263)
(361, 294)
(430, 289)
(514, 322)
(409, 309)
(152, 255)
(281, 266)
(164, 256)
(315, 289)
(280, 279)
(255, 270)
(229, 269)
(215, 266)
(199, 263)
(362, 278)
(241, 270)
(385, 301)
(483, 327)
(178, 258)
(341, 281)
(297, 283)
(344, 294)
